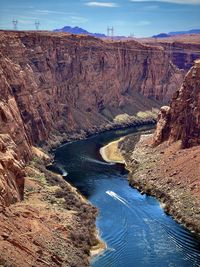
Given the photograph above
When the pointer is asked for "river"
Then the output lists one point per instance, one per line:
(135, 228)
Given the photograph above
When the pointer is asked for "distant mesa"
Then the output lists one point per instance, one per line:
(195, 31)
(161, 35)
(164, 35)
(77, 30)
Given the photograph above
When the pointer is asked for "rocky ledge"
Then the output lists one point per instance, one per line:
(169, 173)
(53, 226)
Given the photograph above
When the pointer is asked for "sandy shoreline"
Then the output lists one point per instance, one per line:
(100, 247)
(111, 152)
(150, 174)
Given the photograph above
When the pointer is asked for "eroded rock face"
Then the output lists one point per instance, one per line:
(182, 119)
(182, 54)
(161, 133)
(54, 84)
(183, 50)
(63, 83)
(11, 172)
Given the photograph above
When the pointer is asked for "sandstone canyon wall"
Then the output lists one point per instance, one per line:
(181, 121)
(183, 55)
(54, 84)
(183, 50)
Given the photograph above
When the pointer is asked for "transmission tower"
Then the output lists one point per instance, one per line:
(110, 32)
(37, 25)
(15, 22)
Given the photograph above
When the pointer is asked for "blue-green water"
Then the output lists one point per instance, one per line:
(137, 231)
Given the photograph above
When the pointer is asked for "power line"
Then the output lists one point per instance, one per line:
(15, 22)
(110, 32)
(37, 24)
(150, 49)
(147, 48)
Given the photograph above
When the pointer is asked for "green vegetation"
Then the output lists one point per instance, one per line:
(141, 115)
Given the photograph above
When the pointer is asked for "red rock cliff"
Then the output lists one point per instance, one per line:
(182, 120)
(183, 49)
(55, 84)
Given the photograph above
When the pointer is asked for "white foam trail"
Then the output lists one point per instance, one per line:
(111, 249)
(117, 197)
(64, 172)
(98, 161)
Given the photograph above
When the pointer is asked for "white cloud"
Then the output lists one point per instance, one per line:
(28, 17)
(187, 2)
(152, 7)
(77, 19)
(25, 22)
(102, 4)
(47, 12)
(119, 22)
(143, 23)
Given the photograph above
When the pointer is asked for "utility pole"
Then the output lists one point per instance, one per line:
(15, 22)
(37, 25)
(110, 32)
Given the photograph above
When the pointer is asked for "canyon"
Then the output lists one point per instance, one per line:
(56, 87)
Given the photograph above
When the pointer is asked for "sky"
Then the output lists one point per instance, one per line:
(128, 17)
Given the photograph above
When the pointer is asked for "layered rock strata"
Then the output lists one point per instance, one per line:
(55, 85)
(183, 50)
(181, 121)
(183, 54)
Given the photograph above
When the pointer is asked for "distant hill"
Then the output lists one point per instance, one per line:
(161, 35)
(77, 30)
(195, 31)
(164, 35)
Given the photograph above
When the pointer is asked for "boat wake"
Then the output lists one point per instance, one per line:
(117, 197)
(62, 171)
(98, 161)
